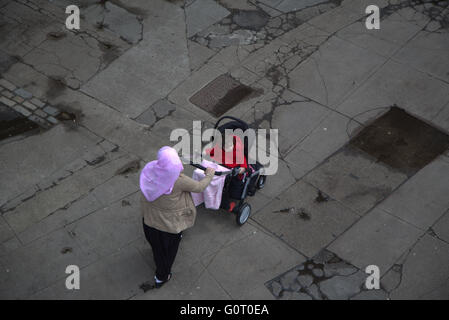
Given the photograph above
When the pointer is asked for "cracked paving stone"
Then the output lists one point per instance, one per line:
(305, 280)
(288, 279)
(341, 287)
(117, 19)
(314, 292)
(339, 268)
(276, 288)
(317, 272)
(252, 20)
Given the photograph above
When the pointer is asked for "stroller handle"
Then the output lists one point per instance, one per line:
(217, 173)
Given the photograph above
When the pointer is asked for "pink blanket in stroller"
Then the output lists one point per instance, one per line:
(211, 196)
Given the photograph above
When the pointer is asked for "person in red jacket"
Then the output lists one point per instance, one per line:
(232, 155)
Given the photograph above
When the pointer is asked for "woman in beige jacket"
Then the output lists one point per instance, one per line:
(167, 207)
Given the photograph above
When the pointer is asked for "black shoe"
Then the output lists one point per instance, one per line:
(157, 285)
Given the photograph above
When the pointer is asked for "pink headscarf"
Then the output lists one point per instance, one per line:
(159, 176)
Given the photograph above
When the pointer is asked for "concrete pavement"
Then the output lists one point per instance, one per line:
(106, 98)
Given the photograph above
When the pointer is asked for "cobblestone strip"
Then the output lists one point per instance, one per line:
(23, 102)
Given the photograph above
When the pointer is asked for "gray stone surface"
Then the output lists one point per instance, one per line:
(116, 277)
(38, 164)
(268, 257)
(343, 288)
(325, 78)
(305, 280)
(116, 19)
(203, 13)
(310, 235)
(31, 268)
(318, 76)
(378, 238)
(422, 199)
(149, 70)
(441, 227)
(355, 180)
(424, 271)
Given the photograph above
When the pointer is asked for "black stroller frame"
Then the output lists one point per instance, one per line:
(242, 208)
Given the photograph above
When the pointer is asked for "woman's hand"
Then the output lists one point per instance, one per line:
(210, 171)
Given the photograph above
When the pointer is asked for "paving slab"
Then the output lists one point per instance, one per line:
(45, 203)
(394, 33)
(19, 31)
(424, 271)
(259, 257)
(97, 233)
(213, 230)
(336, 19)
(355, 179)
(116, 277)
(31, 268)
(72, 58)
(441, 120)
(115, 18)
(376, 239)
(148, 71)
(60, 218)
(198, 54)
(337, 68)
(427, 52)
(39, 163)
(203, 13)
(422, 200)
(326, 138)
(6, 232)
(279, 181)
(295, 122)
(322, 222)
(400, 85)
(441, 227)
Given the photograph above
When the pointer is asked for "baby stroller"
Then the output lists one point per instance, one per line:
(236, 190)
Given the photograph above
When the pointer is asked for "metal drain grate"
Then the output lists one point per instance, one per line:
(402, 141)
(220, 95)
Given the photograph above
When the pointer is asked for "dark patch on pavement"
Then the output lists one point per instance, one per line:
(149, 285)
(220, 95)
(401, 141)
(66, 250)
(56, 35)
(125, 203)
(250, 19)
(56, 86)
(130, 167)
(110, 52)
(13, 123)
(7, 61)
(301, 212)
(69, 116)
(321, 197)
(96, 161)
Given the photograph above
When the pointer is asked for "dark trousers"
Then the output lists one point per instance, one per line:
(165, 246)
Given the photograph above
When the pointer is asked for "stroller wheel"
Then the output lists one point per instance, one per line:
(261, 182)
(243, 213)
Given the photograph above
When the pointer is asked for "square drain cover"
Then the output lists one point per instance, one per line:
(220, 95)
(402, 141)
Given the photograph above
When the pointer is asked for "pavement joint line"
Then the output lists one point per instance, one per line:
(275, 236)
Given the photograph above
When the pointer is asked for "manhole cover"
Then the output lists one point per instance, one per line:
(220, 95)
(13, 123)
(402, 141)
